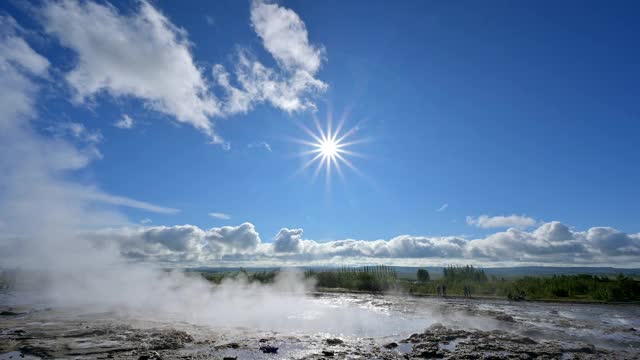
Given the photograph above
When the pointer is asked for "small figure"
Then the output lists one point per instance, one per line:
(444, 290)
(439, 290)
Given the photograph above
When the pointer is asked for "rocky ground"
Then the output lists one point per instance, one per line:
(56, 333)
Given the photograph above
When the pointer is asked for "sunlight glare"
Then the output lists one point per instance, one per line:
(328, 149)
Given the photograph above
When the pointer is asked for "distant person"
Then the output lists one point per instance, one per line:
(444, 290)
(439, 289)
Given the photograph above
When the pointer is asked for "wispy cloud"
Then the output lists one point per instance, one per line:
(126, 122)
(94, 195)
(442, 208)
(487, 222)
(145, 221)
(219, 215)
(261, 144)
(292, 85)
(164, 73)
(210, 20)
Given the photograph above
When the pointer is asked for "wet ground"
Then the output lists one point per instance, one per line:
(353, 326)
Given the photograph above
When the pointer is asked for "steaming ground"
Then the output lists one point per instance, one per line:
(250, 321)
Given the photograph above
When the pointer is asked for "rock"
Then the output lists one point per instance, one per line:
(505, 317)
(267, 349)
(328, 353)
(150, 356)
(10, 313)
(263, 340)
(232, 345)
(334, 341)
(391, 345)
(230, 358)
(169, 340)
(581, 348)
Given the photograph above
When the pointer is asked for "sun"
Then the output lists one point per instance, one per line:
(328, 149)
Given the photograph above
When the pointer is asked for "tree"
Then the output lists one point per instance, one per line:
(423, 275)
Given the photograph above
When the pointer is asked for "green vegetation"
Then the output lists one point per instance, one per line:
(367, 278)
(423, 275)
(457, 279)
(589, 287)
(263, 277)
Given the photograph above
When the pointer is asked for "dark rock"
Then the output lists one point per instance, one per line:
(232, 345)
(334, 341)
(35, 351)
(150, 356)
(267, 349)
(328, 353)
(391, 345)
(10, 313)
(505, 317)
(230, 358)
(263, 340)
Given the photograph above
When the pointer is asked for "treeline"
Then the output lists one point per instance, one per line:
(263, 277)
(588, 287)
(454, 279)
(366, 278)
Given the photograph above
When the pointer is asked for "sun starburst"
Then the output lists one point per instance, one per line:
(329, 149)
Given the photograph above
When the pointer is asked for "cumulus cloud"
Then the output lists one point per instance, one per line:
(550, 243)
(487, 222)
(284, 36)
(126, 122)
(181, 243)
(288, 240)
(219, 215)
(142, 55)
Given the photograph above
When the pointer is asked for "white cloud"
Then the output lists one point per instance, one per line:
(181, 243)
(96, 195)
(285, 37)
(288, 240)
(210, 20)
(487, 222)
(219, 215)
(146, 221)
(126, 122)
(442, 208)
(550, 243)
(18, 61)
(142, 55)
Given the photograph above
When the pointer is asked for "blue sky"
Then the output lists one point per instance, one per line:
(474, 117)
